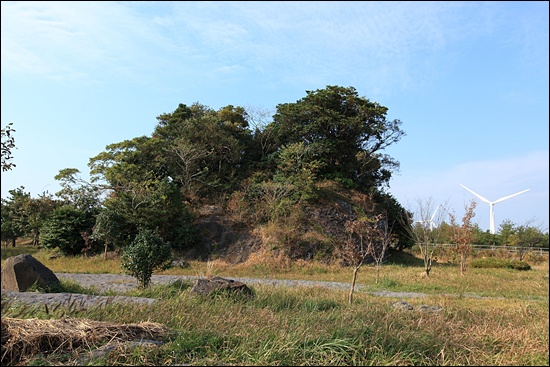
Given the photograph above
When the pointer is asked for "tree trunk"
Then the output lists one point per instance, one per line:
(462, 264)
(13, 242)
(350, 297)
(427, 263)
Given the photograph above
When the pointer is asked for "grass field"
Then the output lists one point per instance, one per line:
(488, 317)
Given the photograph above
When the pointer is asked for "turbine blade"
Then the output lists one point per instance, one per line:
(510, 196)
(476, 194)
(433, 215)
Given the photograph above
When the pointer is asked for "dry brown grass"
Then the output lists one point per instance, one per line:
(25, 338)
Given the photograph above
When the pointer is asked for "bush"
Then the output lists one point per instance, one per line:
(66, 229)
(493, 262)
(146, 254)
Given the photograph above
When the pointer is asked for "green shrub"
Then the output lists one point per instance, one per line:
(519, 265)
(144, 255)
(493, 262)
(64, 229)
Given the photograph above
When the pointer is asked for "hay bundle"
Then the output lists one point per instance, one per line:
(24, 338)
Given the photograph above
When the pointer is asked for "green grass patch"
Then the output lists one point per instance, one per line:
(317, 326)
(493, 262)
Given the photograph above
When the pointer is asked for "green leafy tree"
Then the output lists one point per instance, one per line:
(24, 215)
(141, 194)
(67, 229)
(295, 167)
(346, 133)
(78, 192)
(208, 151)
(38, 211)
(111, 229)
(8, 145)
(124, 164)
(486, 238)
(146, 254)
(158, 206)
(506, 229)
(15, 214)
(10, 229)
(527, 237)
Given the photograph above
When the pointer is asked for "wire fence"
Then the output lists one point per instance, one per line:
(543, 251)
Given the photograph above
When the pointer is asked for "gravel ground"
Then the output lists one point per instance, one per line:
(123, 283)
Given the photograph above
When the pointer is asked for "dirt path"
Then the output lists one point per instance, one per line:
(120, 283)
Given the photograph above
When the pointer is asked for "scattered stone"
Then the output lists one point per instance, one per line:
(23, 271)
(430, 309)
(208, 286)
(180, 264)
(403, 305)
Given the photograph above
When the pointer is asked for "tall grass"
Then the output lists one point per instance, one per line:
(488, 317)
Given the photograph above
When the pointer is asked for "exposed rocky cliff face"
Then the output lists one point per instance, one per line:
(310, 231)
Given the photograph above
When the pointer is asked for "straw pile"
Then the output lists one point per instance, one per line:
(25, 338)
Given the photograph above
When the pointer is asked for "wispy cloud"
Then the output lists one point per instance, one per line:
(383, 45)
(76, 40)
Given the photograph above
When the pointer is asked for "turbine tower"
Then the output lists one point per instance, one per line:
(492, 204)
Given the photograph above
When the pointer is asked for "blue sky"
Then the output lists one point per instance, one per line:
(468, 80)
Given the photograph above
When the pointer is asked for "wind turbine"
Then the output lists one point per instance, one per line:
(492, 204)
(431, 220)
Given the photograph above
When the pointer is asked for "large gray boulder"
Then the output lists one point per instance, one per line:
(22, 271)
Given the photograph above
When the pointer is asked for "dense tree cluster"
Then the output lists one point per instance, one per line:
(266, 170)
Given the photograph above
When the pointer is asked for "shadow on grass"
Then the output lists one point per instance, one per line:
(407, 259)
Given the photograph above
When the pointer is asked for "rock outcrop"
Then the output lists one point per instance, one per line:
(210, 286)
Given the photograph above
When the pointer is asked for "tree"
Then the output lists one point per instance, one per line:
(10, 229)
(354, 250)
(15, 214)
(345, 132)
(262, 132)
(382, 241)
(190, 159)
(146, 254)
(296, 168)
(486, 238)
(394, 212)
(78, 192)
(67, 229)
(111, 229)
(526, 237)
(38, 210)
(367, 236)
(8, 144)
(206, 151)
(506, 230)
(141, 194)
(157, 205)
(23, 215)
(463, 234)
(427, 230)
